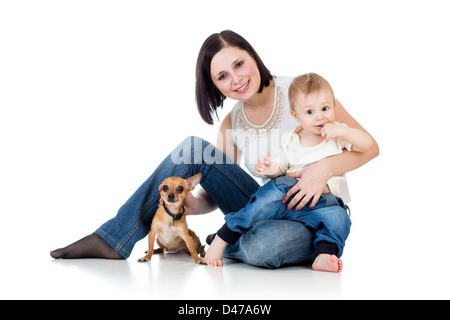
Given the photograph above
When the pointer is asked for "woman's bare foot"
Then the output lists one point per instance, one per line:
(214, 255)
(327, 262)
(92, 246)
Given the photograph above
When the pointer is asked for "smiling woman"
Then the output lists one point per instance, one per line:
(238, 71)
(89, 89)
(235, 80)
(241, 80)
(228, 67)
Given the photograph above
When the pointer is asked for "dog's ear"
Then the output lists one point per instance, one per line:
(193, 181)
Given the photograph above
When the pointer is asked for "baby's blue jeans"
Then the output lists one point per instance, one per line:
(328, 218)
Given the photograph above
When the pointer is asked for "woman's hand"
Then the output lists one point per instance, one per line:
(190, 203)
(313, 181)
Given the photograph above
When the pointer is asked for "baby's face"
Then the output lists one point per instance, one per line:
(314, 110)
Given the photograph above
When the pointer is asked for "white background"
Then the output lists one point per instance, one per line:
(94, 94)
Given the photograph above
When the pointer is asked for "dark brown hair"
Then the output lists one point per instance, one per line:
(208, 97)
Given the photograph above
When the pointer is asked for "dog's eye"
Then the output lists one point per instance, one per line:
(180, 189)
(165, 188)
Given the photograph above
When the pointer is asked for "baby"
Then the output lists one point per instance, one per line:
(319, 136)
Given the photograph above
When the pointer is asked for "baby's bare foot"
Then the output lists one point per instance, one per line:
(214, 255)
(327, 262)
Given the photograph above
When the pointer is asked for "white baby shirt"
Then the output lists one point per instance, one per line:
(295, 157)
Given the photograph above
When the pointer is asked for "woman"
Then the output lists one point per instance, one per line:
(228, 67)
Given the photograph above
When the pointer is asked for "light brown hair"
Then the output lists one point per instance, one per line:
(307, 83)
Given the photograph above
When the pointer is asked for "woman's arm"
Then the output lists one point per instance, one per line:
(225, 141)
(314, 178)
(202, 203)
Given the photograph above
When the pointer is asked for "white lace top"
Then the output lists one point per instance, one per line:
(255, 141)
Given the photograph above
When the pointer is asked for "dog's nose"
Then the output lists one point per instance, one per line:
(171, 196)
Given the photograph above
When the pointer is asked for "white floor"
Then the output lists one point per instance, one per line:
(397, 249)
(85, 119)
(177, 277)
(34, 275)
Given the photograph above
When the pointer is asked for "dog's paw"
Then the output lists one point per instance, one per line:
(200, 261)
(144, 259)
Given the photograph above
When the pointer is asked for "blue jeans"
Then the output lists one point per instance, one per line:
(328, 217)
(230, 187)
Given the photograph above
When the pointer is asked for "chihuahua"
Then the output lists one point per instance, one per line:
(169, 222)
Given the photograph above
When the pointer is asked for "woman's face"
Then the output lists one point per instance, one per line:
(235, 73)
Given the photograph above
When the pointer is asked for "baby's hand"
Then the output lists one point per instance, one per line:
(263, 164)
(330, 131)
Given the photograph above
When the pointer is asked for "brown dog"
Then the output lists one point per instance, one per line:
(169, 222)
